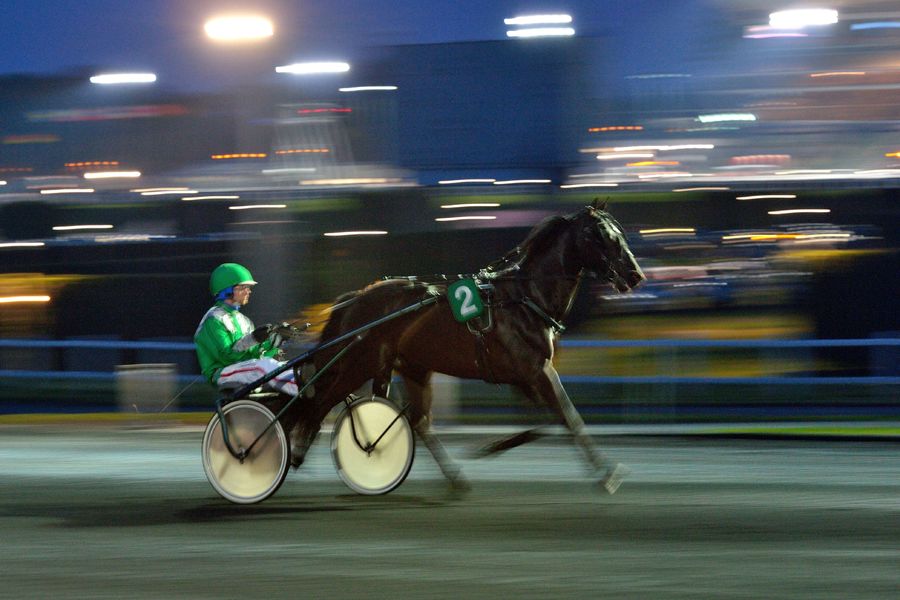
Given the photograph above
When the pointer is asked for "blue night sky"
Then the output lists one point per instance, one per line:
(166, 36)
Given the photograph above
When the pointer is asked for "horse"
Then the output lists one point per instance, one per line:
(371, 356)
(529, 294)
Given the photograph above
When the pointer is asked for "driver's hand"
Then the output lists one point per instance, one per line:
(285, 330)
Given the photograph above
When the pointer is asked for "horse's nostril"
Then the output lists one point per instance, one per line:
(634, 278)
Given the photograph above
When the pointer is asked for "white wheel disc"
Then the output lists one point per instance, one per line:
(262, 471)
(385, 466)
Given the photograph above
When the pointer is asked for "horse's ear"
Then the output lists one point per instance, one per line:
(599, 205)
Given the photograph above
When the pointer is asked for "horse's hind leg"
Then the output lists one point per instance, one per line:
(549, 388)
(508, 443)
(418, 394)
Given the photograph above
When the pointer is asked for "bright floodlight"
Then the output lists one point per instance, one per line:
(238, 28)
(541, 32)
(116, 78)
(538, 20)
(313, 68)
(803, 17)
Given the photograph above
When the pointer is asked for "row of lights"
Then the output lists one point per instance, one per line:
(248, 28)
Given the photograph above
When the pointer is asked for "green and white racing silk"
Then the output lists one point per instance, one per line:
(224, 337)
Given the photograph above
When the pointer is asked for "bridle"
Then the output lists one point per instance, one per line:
(611, 267)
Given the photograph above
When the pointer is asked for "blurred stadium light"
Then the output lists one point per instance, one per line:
(238, 28)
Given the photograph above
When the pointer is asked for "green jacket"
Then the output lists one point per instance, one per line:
(224, 338)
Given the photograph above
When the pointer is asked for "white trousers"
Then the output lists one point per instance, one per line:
(248, 371)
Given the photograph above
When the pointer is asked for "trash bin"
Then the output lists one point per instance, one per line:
(145, 390)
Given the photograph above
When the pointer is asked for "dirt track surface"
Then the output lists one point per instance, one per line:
(110, 513)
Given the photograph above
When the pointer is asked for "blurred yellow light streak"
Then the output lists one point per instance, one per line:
(160, 189)
(239, 155)
(893, 154)
(351, 233)
(21, 244)
(767, 197)
(454, 181)
(236, 28)
(761, 237)
(838, 74)
(470, 218)
(112, 175)
(796, 211)
(92, 163)
(654, 163)
(68, 191)
(13, 299)
(668, 230)
(616, 128)
(252, 206)
(472, 205)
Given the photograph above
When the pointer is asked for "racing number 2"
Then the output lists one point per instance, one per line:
(465, 302)
(464, 295)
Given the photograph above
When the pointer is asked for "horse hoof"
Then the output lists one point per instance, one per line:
(460, 484)
(297, 459)
(614, 477)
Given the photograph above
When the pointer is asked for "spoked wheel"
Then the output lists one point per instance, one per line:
(263, 470)
(372, 446)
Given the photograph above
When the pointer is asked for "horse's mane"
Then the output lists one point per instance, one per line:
(537, 239)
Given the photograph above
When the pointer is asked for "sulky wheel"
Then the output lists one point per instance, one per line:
(372, 446)
(263, 470)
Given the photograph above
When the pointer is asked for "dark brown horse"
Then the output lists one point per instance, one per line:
(528, 294)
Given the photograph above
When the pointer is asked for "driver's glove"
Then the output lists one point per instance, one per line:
(276, 333)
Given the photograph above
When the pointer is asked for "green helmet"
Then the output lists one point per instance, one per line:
(227, 275)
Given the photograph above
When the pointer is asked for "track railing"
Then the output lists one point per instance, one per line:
(657, 346)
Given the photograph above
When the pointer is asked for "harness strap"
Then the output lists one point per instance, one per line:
(550, 321)
(484, 365)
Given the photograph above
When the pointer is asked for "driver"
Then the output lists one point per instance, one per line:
(232, 352)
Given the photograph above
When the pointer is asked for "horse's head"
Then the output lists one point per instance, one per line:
(604, 249)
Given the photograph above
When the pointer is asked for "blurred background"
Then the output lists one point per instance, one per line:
(750, 149)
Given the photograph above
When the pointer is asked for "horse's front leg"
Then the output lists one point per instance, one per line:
(548, 388)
